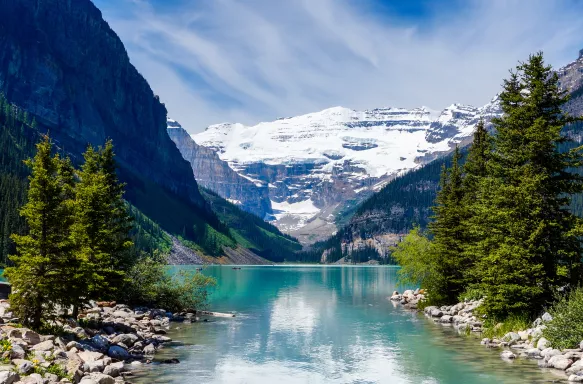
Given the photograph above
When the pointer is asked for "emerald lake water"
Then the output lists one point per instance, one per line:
(325, 324)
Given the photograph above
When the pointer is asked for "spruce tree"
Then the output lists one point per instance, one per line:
(531, 245)
(448, 233)
(102, 225)
(42, 253)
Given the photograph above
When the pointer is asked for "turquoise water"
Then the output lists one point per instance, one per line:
(324, 324)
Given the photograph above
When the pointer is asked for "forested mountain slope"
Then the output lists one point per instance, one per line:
(62, 64)
(373, 226)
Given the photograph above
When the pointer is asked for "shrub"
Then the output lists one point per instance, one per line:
(150, 284)
(565, 330)
(495, 329)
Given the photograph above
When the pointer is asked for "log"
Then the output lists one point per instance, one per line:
(215, 314)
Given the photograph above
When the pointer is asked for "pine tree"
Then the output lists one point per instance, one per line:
(531, 245)
(448, 233)
(42, 253)
(102, 225)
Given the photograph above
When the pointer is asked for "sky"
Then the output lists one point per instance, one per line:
(247, 61)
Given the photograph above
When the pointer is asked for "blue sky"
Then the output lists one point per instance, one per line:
(214, 61)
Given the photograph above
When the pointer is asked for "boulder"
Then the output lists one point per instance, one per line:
(543, 343)
(445, 319)
(34, 378)
(436, 313)
(9, 377)
(511, 337)
(117, 352)
(114, 370)
(149, 349)
(17, 352)
(101, 378)
(94, 366)
(86, 356)
(100, 342)
(128, 339)
(550, 352)
(560, 362)
(52, 378)
(44, 346)
(533, 352)
(23, 366)
(576, 367)
(576, 379)
(508, 355)
(30, 337)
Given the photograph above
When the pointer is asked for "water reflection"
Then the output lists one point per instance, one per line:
(325, 325)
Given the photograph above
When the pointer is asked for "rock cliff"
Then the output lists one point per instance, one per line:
(215, 174)
(60, 61)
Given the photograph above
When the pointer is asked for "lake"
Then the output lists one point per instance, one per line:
(325, 324)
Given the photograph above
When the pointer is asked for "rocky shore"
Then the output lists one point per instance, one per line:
(103, 347)
(526, 344)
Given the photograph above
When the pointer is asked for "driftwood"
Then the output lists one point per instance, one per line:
(215, 314)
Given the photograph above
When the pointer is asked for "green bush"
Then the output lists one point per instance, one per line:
(566, 328)
(150, 284)
(495, 329)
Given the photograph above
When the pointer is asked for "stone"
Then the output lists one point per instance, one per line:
(576, 367)
(100, 342)
(507, 355)
(170, 361)
(128, 339)
(86, 356)
(24, 366)
(543, 343)
(150, 349)
(576, 379)
(546, 317)
(44, 346)
(94, 366)
(30, 337)
(17, 352)
(51, 377)
(560, 362)
(73, 344)
(117, 352)
(550, 353)
(533, 352)
(436, 313)
(122, 314)
(511, 337)
(445, 319)
(34, 378)
(9, 377)
(111, 370)
(87, 380)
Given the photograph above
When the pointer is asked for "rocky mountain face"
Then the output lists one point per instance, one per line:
(215, 174)
(60, 61)
(314, 165)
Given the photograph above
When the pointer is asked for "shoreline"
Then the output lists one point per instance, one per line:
(106, 344)
(524, 344)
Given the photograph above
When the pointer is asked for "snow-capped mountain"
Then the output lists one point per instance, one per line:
(315, 164)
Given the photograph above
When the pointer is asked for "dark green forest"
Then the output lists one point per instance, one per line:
(208, 229)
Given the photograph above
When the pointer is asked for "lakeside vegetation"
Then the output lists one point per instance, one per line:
(77, 246)
(502, 228)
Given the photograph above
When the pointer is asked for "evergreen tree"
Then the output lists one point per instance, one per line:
(46, 249)
(531, 244)
(101, 229)
(449, 235)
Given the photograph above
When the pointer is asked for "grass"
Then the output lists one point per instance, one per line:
(494, 329)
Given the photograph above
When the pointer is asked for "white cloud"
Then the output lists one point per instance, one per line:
(257, 60)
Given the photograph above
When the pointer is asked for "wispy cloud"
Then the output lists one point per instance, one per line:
(251, 61)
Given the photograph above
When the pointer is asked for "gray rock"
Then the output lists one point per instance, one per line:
(436, 313)
(94, 366)
(576, 379)
(543, 343)
(546, 317)
(128, 339)
(550, 353)
(533, 352)
(87, 380)
(511, 336)
(112, 370)
(17, 352)
(34, 378)
(9, 377)
(117, 352)
(101, 378)
(44, 346)
(25, 367)
(508, 355)
(51, 377)
(150, 349)
(445, 319)
(576, 367)
(560, 362)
